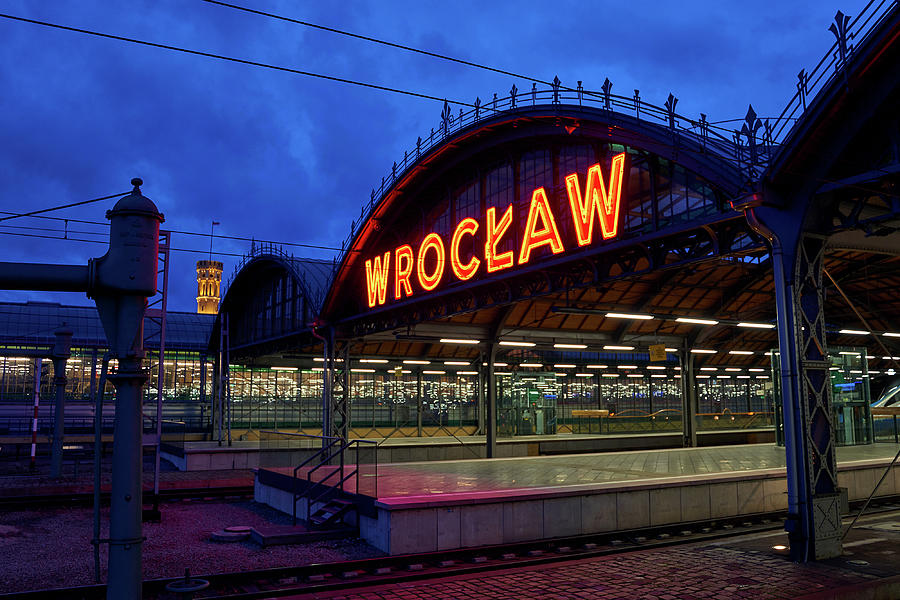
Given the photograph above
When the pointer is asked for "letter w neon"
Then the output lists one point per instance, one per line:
(597, 199)
(377, 278)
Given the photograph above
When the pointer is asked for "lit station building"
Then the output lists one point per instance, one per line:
(563, 271)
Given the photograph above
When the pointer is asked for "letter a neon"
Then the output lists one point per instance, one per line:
(605, 202)
(547, 234)
(377, 278)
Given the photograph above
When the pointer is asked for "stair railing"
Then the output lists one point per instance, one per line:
(317, 491)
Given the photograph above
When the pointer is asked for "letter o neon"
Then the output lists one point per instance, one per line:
(431, 281)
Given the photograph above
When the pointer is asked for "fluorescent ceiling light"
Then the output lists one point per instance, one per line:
(741, 352)
(434, 372)
(671, 349)
(627, 367)
(696, 321)
(584, 374)
(733, 369)
(373, 360)
(572, 346)
(518, 344)
(762, 376)
(610, 375)
(561, 374)
(634, 375)
(757, 325)
(702, 351)
(615, 315)
(657, 376)
(708, 369)
(756, 370)
(702, 376)
(458, 341)
(618, 348)
(531, 365)
(362, 370)
(501, 364)
(284, 368)
(743, 377)
(597, 367)
(853, 331)
(456, 363)
(467, 372)
(890, 334)
(850, 353)
(655, 367)
(416, 362)
(563, 366)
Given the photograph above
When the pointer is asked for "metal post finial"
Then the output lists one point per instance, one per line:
(556, 84)
(607, 88)
(137, 182)
(512, 96)
(637, 103)
(671, 101)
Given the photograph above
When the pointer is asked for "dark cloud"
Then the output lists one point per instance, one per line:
(282, 157)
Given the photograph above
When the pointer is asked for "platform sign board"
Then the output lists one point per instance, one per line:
(657, 352)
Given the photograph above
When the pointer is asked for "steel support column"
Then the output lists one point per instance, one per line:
(814, 522)
(491, 408)
(419, 403)
(60, 355)
(688, 398)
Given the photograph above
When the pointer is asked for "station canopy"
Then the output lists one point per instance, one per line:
(560, 228)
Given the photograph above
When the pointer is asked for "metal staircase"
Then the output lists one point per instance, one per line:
(330, 482)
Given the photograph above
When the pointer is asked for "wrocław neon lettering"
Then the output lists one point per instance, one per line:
(600, 202)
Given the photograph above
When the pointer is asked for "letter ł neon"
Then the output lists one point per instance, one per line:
(546, 234)
(463, 271)
(430, 281)
(376, 279)
(597, 199)
(495, 231)
(403, 266)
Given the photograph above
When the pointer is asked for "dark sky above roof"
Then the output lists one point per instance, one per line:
(276, 156)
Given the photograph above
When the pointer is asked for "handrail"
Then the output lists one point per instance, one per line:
(311, 499)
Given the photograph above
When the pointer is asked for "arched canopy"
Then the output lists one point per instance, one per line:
(272, 301)
(492, 216)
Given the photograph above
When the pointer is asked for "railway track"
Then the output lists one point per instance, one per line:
(288, 581)
(87, 498)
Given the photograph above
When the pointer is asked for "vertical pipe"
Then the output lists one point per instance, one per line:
(34, 421)
(59, 411)
(98, 394)
(125, 575)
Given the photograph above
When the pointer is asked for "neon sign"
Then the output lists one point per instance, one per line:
(600, 202)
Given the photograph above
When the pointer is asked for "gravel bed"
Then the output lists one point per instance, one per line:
(50, 548)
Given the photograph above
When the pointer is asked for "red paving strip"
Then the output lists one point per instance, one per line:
(169, 480)
(692, 572)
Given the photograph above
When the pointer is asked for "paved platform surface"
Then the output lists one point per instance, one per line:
(423, 480)
(733, 568)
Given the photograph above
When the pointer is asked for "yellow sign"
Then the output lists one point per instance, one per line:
(657, 352)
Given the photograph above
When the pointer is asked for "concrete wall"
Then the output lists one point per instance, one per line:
(402, 528)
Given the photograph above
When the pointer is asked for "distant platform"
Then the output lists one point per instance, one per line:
(199, 456)
(429, 506)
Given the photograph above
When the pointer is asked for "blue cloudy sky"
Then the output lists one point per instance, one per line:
(278, 156)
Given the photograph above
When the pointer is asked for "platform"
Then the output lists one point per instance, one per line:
(250, 454)
(429, 506)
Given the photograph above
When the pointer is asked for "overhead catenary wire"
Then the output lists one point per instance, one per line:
(70, 205)
(234, 59)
